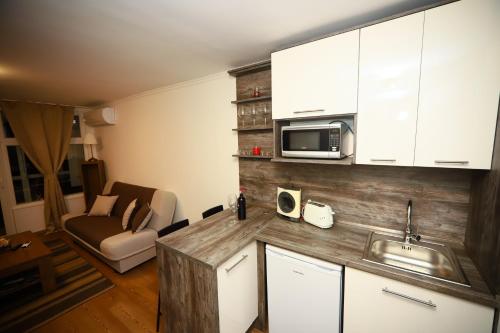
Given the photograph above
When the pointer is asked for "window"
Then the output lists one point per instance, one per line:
(28, 181)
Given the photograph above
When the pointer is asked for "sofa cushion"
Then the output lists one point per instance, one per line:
(126, 244)
(94, 229)
(127, 193)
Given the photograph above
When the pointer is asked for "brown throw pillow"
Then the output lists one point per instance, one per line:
(141, 218)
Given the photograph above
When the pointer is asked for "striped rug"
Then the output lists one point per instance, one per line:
(24, 306)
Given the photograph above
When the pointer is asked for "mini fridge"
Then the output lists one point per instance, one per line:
(304, 294)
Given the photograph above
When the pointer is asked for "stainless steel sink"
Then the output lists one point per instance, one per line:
(429, 259)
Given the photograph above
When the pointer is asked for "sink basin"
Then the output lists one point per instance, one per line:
(429, 259)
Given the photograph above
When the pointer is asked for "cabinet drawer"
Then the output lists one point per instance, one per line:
(376, 304)
(237, 291)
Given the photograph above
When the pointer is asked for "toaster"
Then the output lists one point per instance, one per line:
(318, 214)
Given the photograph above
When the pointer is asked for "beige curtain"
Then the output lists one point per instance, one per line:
(44, 133)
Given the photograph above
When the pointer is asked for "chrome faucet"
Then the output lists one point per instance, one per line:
(409, 235)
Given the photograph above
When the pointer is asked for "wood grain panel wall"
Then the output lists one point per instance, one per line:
(246, 83)
(188, 294)
(482, 239)
(372, 196)
(263, 139)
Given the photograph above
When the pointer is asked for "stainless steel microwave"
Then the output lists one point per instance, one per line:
(314, 140)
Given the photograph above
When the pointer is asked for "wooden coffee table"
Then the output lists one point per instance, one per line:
(22, 259)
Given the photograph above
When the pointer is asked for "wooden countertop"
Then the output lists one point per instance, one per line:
(214, 240)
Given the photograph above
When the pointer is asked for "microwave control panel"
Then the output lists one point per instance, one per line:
(335, 139)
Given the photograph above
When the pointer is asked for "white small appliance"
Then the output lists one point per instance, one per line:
(288, 202)
(100, 117)
(304, 294)
(318, 214)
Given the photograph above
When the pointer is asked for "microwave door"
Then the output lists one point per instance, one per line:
(309, 143)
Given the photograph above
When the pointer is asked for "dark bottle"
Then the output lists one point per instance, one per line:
(242, 207)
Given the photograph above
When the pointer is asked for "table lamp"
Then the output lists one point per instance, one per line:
(90, 140)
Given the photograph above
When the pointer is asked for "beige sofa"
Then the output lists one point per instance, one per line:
(104, 235)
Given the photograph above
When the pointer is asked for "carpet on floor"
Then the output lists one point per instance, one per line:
(24, 306)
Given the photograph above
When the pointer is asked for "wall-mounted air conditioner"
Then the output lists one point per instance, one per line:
(100, 117)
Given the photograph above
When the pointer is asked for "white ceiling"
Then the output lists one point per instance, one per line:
(89, 52)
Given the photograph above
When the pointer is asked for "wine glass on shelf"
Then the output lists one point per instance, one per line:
(265, 111)
(241, 115)
(254, 114)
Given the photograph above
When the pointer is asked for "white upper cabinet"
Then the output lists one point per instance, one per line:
(389, 74)
(316, 79)
(460, 84)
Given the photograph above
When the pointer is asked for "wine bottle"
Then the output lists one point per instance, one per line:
(242, 207)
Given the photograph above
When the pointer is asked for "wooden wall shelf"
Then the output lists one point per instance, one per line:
(251, 129)
(253, 157)
(252, 68)
(252, 100)
(344, 161)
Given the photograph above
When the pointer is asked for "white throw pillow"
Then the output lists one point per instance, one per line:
(103, 205)
(128, 213)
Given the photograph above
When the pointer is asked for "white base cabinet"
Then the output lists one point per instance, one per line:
(377, 304)
(237, 291)
(316, 79)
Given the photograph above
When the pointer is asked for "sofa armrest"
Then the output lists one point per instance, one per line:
(173, 227)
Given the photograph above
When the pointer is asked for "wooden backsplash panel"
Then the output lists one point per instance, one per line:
(374, 196)
(482, 239)
(246, 83)
(263, 139)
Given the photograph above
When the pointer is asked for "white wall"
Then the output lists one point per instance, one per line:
(177, 138)
(30, 216)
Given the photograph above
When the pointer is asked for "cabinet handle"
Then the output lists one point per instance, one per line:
(427, 303)
(450, 162)
(243, 257)
(306, 111)
(383, 159)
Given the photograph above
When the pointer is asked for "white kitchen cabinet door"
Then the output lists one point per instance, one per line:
(460, 84)
(316, 79)
(237, 291)
(389, 76)
(372, 304)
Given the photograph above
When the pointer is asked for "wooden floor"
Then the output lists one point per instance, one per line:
(128, 307)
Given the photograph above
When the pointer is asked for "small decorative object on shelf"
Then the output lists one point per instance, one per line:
(256, 92)
(256, 151)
